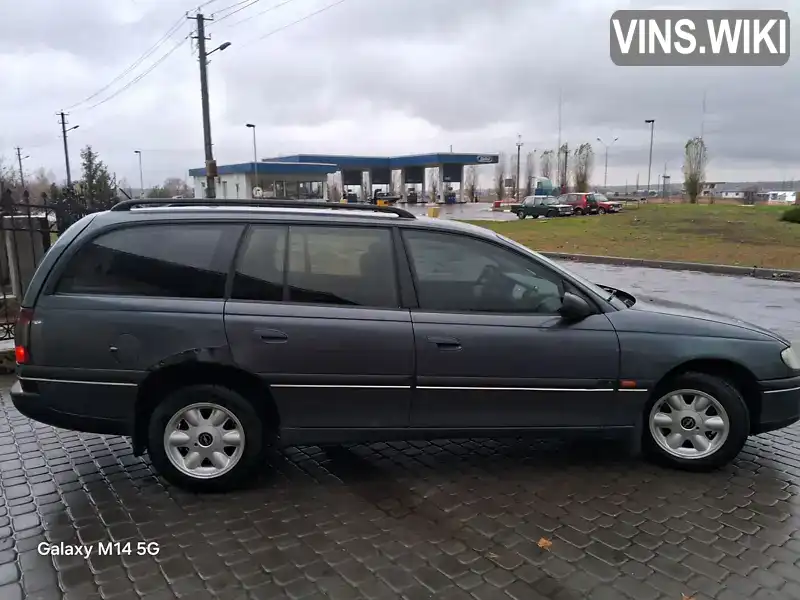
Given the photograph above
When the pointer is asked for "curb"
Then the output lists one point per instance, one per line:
(757, 272)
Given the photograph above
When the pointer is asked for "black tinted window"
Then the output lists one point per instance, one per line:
(342, 265)
(260, 267)
(173, 261)
(462, 274)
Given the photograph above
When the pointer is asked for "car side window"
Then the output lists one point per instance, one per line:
(260, 266)
(168, 261)
(346, 266)
(463, 274)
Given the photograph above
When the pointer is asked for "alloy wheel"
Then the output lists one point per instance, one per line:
(689, 424)
(204, 440)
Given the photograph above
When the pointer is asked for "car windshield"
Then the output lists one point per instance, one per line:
(593, 287)
(600, 198)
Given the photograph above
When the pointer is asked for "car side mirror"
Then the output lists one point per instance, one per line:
(574, 308)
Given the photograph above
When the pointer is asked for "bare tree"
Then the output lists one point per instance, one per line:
(547, 164)
(334, 192)
(694, 167)
(471, 183)
(582, 167)
(433, 184)
(563, 161)
(512, 174)
(530, 172)
(500, 177)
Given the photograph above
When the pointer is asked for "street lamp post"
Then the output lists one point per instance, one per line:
(519, 157)
(255, 152)
(141, 174)
(652, 123)
(607, 146)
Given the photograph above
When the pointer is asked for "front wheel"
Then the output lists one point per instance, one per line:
(551, 214)
(696, 422)
(520, 214)
(206, 438)
(602, 211)
(578, 212)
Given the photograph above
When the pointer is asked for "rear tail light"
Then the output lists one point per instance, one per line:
(22, 335)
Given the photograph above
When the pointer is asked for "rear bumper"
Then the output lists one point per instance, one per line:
(68, 406)
(780, 404)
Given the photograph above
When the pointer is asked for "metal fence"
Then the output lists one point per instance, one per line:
(28, 227)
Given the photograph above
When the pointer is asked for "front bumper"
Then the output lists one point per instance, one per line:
(780, 404)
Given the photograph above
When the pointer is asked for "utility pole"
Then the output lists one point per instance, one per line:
(141, 174)
(558, 151)
(64, 131)
(519, 158)
(211, 165)
(21, 172)
(652, 123)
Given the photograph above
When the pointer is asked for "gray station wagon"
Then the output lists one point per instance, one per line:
(207, 330)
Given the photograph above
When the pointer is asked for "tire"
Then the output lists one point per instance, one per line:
(601, 211)
(726, 436)
(578, 212)
(551, 214)
(239, 415)
(521, 214)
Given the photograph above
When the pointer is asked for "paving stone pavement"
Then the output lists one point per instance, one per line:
(453, 519)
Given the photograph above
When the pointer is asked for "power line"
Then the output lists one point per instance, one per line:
(247, 4)
(141, 76)
(293, 23)
(148, 53)
(258, 14)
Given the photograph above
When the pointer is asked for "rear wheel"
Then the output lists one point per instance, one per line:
(521, 214)
(696, 422)
(206, 438)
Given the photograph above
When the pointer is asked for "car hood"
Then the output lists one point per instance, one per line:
(646, 304)
(559, 206)
(649, 314)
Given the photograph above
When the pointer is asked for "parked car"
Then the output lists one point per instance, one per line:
(604, 205)
(581, 203)
(542, 206)
(209, 331)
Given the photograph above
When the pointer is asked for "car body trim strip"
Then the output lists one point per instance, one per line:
(109, 383)
(794, 389)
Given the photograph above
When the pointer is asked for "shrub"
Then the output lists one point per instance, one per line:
(792, 215)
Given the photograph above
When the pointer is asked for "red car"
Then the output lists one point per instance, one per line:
(604, 205)
(587, 203)
(581, 203)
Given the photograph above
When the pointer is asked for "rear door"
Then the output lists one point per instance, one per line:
(314, 310)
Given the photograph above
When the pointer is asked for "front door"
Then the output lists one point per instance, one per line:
(492, 351)
(314, 311)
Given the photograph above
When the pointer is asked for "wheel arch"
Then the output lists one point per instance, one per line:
(160, 382)
(737, 374)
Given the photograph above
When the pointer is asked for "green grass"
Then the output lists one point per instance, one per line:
(720, 234)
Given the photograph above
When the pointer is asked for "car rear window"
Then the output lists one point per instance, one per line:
(170, 261)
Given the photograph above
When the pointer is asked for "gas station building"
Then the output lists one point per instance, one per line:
(304, 176)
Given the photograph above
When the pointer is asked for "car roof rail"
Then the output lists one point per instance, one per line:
(127, 205)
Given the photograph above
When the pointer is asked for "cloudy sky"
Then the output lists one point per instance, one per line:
(376, 77)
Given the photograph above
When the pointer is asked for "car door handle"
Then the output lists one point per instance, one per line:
(272, 336)
(445, 343)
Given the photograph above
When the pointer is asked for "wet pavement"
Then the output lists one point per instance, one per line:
(453, 519)
(478, 211)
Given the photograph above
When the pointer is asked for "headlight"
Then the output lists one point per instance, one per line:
(791, 358)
